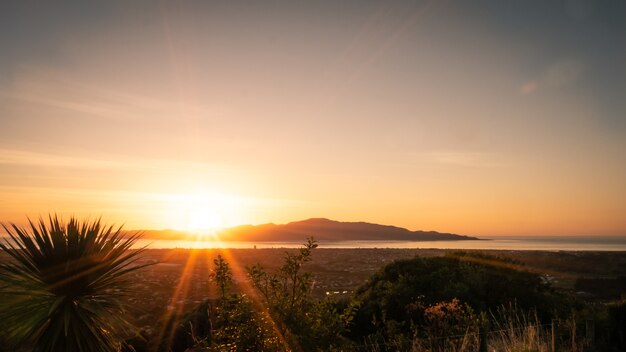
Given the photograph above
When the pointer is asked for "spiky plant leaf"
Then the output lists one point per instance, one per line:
(62, 289)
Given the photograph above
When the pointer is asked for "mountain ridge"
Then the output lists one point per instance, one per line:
(322, 229)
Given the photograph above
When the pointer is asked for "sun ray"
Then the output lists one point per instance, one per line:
(175, 308)
(247, 288)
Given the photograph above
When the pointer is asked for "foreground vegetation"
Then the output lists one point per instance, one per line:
(62, 290)
(463, 301)
(453, 303)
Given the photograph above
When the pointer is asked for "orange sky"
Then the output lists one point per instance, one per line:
(425, 115)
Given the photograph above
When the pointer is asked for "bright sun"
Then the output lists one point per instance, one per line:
(202, 218)
(201, 213)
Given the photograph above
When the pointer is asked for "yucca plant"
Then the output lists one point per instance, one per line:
(61, 291)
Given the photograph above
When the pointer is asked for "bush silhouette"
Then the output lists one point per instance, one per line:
(482, 282)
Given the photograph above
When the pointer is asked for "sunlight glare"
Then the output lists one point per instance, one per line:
(202, 213)
(202, 218)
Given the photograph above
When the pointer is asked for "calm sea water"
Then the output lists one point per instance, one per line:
(544, 243)
(551, 243)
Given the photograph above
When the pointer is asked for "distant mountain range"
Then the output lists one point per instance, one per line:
(320, 228)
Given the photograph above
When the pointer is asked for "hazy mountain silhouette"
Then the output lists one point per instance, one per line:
(320, 228)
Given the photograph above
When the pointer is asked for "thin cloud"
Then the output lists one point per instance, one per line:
(463, 159)
(529, 88)
(21, 157)
(49, 88)
(557, 75)
(30, 158)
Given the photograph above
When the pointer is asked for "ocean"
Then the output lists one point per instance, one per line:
(544, 243)
(539, 243)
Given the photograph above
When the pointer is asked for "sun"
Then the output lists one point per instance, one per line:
(202, 219)
(201, 213)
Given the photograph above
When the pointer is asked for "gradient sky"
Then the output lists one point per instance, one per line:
(474, 117)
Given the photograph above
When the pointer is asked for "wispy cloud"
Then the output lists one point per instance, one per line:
(21, 157)
(50, 88)
(529, 87)
(557, 75)
(31, 158)
(463, 159)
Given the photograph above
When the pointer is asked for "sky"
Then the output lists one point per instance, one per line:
(472, 117)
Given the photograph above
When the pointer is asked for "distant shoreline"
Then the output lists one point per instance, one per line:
(518, 244)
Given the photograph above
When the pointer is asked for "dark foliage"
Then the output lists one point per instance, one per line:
(603, 287)
(617, 324)
(482, 282)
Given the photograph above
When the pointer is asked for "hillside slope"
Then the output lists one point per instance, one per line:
(330, 230)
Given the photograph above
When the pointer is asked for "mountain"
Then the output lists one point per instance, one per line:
(330, 230)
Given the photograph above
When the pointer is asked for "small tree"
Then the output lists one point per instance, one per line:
(222, 275)
(304, 322)
(286, 291)
(229, 323)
